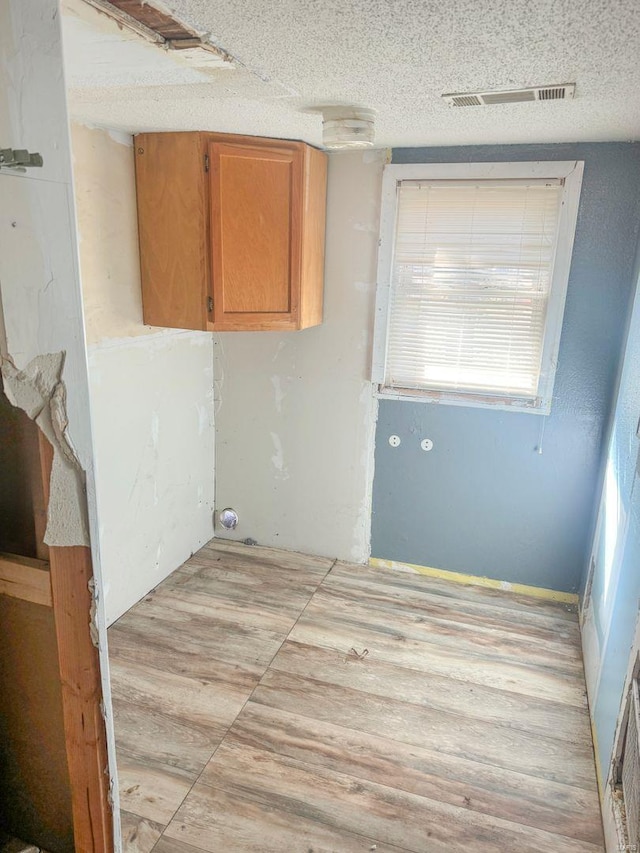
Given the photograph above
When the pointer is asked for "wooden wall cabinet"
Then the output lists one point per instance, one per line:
(231, 231)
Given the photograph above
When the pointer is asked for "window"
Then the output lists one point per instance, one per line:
(472, 277)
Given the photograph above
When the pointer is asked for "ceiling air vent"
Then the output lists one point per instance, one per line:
(464, 100)
(558, 92)
(555, 93)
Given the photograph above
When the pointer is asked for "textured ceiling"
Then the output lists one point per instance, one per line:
(394, 56)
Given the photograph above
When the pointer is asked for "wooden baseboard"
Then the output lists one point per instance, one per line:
(474, 580)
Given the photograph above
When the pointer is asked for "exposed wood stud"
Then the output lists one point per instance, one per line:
(22, 577)
(85, 733)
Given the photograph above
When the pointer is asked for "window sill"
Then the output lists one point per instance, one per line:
(475, 401)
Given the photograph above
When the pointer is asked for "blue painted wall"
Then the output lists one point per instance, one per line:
(615, 590)
(484, 501)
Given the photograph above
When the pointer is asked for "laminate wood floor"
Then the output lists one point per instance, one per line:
(268, 701)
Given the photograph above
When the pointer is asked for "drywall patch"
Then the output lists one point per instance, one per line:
(278, 393)
(377, 155)
(278, 457)
(119, 136)
(39, 391)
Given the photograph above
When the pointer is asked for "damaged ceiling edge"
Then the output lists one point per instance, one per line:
(159, 27)
(40, 392)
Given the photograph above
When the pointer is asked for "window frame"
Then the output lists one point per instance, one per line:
(571, 172)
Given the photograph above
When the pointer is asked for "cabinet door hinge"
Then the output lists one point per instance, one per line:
(206, 162)
(209, 303)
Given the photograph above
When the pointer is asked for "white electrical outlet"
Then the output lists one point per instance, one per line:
(394, 440)
(426, 444)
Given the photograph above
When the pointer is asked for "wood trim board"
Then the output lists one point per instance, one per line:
(25, 578)
(85, 733)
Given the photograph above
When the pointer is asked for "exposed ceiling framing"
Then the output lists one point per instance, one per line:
(155, 25)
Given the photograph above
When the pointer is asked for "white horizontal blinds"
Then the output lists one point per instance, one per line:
(470, 284)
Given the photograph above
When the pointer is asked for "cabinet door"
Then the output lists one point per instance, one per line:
(172, 226)
(256, 197)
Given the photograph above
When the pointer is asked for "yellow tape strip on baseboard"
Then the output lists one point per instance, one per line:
(596, 756)
(492, 583)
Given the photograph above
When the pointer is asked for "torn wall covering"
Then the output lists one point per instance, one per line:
(40, 392)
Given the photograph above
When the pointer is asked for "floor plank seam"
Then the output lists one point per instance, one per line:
(279, 649)
(230, 726)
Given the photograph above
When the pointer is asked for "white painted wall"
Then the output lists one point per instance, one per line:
(39, 283)
(151, 391)
(295, 415)
(152, 402)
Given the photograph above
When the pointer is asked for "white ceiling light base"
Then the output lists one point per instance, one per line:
(347, 127)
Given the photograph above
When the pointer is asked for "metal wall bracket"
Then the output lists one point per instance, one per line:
(18, 159)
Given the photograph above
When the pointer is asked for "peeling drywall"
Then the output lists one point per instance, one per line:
(295, 410)
(39, 391)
